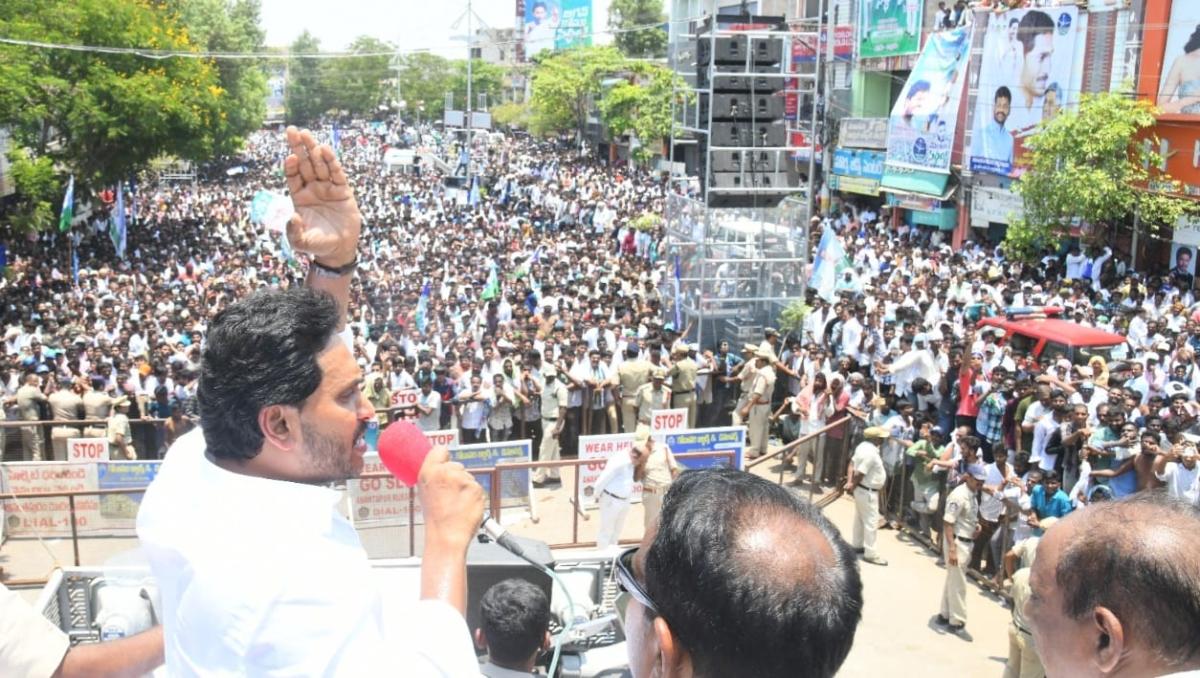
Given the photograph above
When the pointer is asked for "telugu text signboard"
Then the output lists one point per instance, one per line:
(730, 438)
(516, 487)
(50, 516)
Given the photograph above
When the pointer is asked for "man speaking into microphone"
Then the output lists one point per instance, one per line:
(259, 572)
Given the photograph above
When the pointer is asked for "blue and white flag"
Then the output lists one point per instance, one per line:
(473, 197)
(117, 224)
(830, 260)
(678, 298)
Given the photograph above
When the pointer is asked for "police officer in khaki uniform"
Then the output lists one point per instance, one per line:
(66, 404)
(683, 382)
(961, 522)
(657, 474)
(865, 476)
(554, 417)
(29, 395)
(96, 405)
(747, 373)
(652, 396)
(757, 409)
(632, 374)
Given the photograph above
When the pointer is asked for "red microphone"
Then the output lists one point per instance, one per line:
(403, 448)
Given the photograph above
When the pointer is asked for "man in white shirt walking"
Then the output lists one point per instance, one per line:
(259, 571)
(614, 489)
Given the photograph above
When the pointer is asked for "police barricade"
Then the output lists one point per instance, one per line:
(596, 450)
(81, 498)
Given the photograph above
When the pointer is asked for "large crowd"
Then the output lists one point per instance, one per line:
(533, 303)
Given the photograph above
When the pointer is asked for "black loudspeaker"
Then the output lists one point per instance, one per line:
(766, 160)
(759, 135)
(489, 564)
(766, 51)
(731, 50)
(742, 106)
(733, 79)
(735, 180)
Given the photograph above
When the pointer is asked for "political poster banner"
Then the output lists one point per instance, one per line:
(729, 438)
(575, 26)
(1179, 89)
(556, 24)
(1026, 67)
(596, 450)
(923, 121)
(889, 27)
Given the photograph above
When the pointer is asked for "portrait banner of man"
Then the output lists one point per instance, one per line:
(1023, 80)
(922, 124)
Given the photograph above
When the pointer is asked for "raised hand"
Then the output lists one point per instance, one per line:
(327, 222)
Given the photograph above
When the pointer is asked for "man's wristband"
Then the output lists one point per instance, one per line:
(330, 272)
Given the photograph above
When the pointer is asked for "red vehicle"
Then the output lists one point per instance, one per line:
(1038, 332)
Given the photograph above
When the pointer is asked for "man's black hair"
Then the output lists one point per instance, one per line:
(1003, 92)
(259, 352)
(740, 609)
(1033, 24)
(514, 616)
(1145, 548)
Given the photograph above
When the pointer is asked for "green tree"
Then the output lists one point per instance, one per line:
(37, 187)
(485, 79)
(358, 84)
(641, 106)
(306, 98)
(642, 42)
(103, 116)
(231, 26)
(1092, 164)
(424, 80)
(511, 115)
(566, 82)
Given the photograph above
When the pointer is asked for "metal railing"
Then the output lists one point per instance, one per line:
(140, 443)
(494, 500)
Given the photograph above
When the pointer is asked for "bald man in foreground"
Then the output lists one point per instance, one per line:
(741, 578)
(1116, 590)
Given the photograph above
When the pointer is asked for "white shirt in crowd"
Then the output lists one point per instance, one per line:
(265, 577)
(1182, 483)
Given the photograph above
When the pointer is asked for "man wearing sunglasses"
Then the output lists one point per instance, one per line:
(736, 548)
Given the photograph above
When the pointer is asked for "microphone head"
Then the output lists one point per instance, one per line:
(402, 449)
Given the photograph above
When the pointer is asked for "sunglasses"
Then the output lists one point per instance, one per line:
(630, 588)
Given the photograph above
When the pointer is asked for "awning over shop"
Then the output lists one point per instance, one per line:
(929, 184)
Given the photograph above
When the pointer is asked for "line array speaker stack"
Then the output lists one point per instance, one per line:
(741, 88)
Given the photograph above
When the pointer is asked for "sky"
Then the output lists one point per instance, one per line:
(410, 24)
